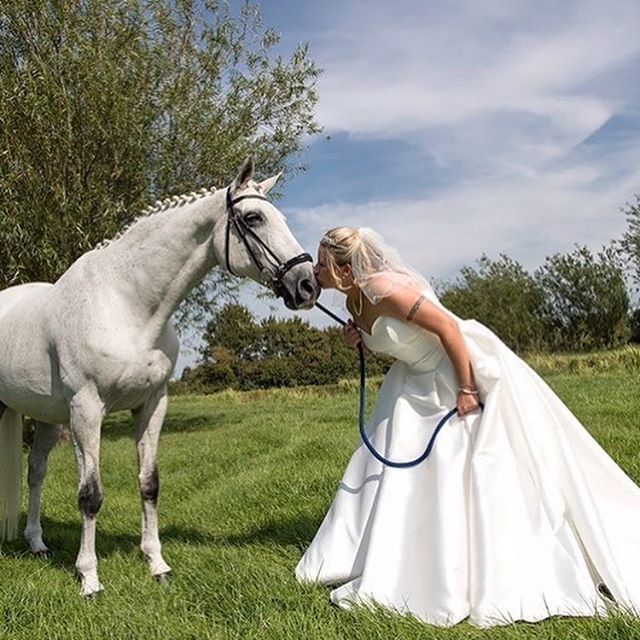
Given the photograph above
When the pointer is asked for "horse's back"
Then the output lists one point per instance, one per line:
(22, 294)
(23, 313)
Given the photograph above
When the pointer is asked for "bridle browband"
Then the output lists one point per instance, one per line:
(274, 280)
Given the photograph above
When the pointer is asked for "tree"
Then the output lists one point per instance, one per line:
(504, 297)
(631, 238)
(233, 329)
(242, 353)
(586, 301)
(106, 106)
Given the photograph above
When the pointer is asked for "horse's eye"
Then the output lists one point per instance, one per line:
(253, 219)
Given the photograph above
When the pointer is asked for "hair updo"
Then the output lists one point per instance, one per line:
(342, 243)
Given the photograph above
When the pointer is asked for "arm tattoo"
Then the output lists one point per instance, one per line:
(415, 308)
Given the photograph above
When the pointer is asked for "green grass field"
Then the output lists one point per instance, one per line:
(245, 481)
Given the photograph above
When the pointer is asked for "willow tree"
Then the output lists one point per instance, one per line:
(106, 106)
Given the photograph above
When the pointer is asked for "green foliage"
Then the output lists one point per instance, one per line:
(575, 302)
(631, 238)
(233, 329)
(106, 106)
(586, 302)
(634, 322)
(503, 296)
(242, 353)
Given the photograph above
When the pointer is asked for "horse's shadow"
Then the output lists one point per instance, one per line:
(120, 425)
(63, 538)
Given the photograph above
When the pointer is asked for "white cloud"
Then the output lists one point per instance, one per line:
(404, 69)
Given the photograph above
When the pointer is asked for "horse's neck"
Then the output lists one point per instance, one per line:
(163, 257)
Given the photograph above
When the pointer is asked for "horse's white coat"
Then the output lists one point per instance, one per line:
(100, 340)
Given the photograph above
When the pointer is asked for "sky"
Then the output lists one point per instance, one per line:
(458, 128)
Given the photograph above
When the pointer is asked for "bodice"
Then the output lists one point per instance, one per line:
(420, 349)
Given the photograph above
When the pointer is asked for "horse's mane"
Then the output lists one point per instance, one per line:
(172, 202)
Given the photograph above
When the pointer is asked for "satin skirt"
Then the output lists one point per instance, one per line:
(518, 513)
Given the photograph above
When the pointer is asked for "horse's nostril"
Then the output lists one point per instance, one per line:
(306, 288)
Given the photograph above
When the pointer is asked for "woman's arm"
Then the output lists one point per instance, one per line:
(409, 305)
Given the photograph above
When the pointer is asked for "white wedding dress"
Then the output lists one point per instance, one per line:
(517, 514)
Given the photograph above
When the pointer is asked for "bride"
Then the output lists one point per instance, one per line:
(517, 514)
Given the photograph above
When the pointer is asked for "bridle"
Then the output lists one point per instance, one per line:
(273, 274)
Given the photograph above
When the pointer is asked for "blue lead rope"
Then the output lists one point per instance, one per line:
(363, 401)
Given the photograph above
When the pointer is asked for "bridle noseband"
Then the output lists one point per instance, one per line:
(279, 269)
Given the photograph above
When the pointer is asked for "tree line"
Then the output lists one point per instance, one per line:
(242, 352)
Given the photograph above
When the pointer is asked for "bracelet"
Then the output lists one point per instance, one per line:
(469, 392)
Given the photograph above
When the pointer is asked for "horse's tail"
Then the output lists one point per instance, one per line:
(10, 473)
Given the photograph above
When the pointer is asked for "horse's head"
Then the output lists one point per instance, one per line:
(253, 240)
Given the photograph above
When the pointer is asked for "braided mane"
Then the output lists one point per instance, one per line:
(172, 202)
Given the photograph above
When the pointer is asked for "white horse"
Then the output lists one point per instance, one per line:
(100, 340)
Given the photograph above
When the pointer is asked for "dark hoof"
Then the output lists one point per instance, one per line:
(44, 555)
(163, 578)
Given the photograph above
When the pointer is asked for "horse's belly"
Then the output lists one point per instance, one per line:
(30, 385)
(51, 409)
(29, 379)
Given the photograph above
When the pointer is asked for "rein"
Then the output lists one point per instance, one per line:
(275, 280)
(361, 417)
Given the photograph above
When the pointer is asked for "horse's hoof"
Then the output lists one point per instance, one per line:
(91, 587)
(91, 594)
(37, 547)
(43, 554)
(163, 578)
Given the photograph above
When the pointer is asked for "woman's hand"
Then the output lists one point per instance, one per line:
(467, 403)
(352, 334)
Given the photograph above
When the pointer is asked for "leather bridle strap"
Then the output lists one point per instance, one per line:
(245, 231)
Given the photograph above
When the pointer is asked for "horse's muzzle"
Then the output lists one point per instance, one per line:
(299, 288)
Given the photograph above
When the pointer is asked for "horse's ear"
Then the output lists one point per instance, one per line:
(245, 174)
(266, 185)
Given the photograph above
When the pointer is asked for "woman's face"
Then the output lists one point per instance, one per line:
(324, 275)
(322, 271)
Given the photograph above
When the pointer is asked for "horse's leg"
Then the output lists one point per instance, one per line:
(148, 422)
(86, 415)
(46, 435)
